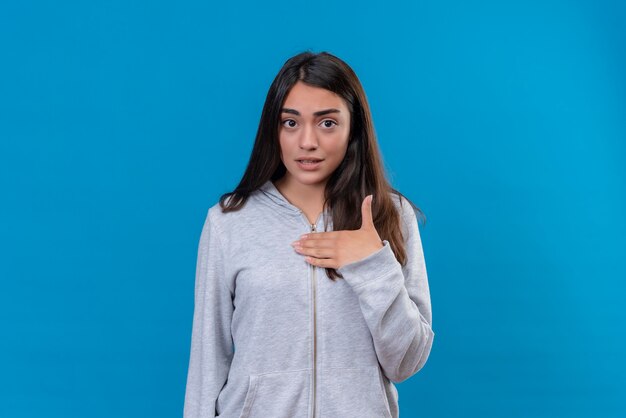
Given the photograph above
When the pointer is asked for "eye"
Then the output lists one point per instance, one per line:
(325, 121)
(288, 120)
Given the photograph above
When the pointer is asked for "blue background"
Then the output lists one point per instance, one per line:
(121, 122)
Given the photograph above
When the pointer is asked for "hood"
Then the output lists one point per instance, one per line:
(276, 198)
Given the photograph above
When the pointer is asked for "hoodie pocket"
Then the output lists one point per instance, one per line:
(277, 395)
(355, 392)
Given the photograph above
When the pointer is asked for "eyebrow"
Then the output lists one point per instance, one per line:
(318, 113)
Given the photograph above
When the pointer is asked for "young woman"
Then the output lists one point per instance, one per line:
(311, 293)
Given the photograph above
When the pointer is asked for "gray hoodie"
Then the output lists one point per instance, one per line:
(274, 337)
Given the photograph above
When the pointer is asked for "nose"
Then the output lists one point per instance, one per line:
(308, 139)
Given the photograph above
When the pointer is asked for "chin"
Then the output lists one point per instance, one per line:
(309, 178)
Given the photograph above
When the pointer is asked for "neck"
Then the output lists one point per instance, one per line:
(307, 197)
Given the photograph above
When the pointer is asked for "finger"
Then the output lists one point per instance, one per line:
(367, 219)
(322, 262)
(317, 243)
(319, 236)
(316, 252)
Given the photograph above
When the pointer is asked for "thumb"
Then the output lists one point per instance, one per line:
(367, 220)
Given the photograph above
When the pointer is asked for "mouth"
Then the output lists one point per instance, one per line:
(309, 160)
(309, 163)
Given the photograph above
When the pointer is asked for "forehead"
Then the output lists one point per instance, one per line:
(307, 99)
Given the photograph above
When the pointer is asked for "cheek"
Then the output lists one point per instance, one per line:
(340, 151)
(339, 144)
(336, 150)
(286, 145)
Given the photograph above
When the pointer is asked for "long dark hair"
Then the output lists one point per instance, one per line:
(360, 173)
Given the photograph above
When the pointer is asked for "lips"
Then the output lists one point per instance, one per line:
(309, 164)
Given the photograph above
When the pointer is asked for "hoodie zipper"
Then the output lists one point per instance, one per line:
(314, 336)
(313, 228)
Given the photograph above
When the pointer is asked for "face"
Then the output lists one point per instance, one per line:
(314, 124)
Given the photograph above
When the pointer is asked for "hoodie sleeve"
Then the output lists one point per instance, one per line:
(395, 301)
(211, 339)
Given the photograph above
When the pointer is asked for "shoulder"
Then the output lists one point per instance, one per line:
(403, 206)
(232, 222)
(220, 219)
(408, 216)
